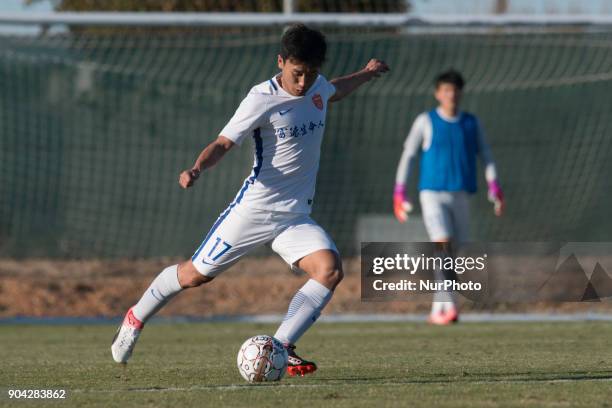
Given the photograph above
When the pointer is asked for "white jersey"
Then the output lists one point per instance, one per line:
(287, 131)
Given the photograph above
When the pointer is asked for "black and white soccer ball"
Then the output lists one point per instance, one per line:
(262, 358)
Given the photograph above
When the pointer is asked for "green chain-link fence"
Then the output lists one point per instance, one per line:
(95, 127)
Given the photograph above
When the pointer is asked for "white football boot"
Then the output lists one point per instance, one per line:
(126, 337)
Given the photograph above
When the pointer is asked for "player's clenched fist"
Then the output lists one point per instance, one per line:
(376, 67)
(188, 177)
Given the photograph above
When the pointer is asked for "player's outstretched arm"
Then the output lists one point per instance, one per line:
(347, 84)
(208, 158)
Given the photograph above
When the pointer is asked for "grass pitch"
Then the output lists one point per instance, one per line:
(360, 364)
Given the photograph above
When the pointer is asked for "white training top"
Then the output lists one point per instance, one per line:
(287, 131)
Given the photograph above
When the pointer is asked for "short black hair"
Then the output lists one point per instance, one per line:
(450, 77)
(303, 44)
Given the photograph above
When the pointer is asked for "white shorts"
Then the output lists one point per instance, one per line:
(446, 215)
(240, 229)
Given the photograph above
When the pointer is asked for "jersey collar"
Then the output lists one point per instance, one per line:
(446, 118)
(282, 92)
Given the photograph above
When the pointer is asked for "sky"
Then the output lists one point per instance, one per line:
(427, 6)
(15, 6)
(514, 6)
(601, 7)
(18, 5)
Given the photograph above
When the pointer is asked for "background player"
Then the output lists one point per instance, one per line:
(285, 116)
(449, 141)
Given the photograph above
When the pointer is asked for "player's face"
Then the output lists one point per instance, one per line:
(296, 77)
(448, 96)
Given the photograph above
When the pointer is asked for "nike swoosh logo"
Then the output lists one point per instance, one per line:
(153, 293)
(284, 112)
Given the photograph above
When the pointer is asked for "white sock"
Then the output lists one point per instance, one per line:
(449, 306)
(436, 306)
(162, 289)
(304, 309)
(443, 301)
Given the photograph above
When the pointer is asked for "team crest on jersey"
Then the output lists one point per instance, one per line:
(318, 101)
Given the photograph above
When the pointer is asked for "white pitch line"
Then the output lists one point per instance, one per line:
(237, 387)
(331, 318)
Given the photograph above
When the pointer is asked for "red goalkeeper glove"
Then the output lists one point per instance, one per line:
(401, 204)
(496, 196)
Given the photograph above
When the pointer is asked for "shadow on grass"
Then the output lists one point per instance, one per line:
(466, 378)
(314, 382)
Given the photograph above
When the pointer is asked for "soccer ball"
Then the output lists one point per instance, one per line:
(262, 358)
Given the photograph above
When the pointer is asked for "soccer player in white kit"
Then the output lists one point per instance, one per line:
(449, 141)
(286, 118)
